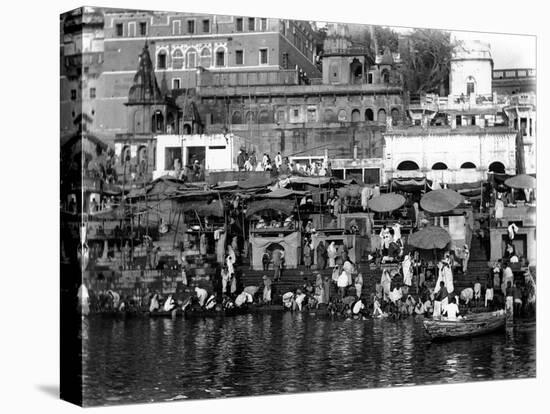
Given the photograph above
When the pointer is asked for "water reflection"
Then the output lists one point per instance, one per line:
(144, 360)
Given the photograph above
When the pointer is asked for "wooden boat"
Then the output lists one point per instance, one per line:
(469, 325)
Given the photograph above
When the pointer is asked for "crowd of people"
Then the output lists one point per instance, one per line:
(280, 165)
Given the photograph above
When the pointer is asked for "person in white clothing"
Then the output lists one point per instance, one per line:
(278, 160)
(452, 311)
(512, 231)
(202, 294)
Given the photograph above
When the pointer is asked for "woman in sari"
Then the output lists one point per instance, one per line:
(385, 281)
(407, 270)
(331, 252)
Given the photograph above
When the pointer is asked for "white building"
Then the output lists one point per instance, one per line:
(447, 155)
(471, 69)
(216, 152)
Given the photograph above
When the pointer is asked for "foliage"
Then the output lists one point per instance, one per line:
(426, 61)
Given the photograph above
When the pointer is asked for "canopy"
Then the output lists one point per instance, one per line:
(386, 202)
(281, 193)
(283, 205)
(255, 182)
(521, 181)
(429, 238)
(310, 180)
(203, 208)
(412, 184)
(441, 201)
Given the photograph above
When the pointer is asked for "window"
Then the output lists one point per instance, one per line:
(220, 58)
(369, 115)
(369, 78)
(206, 26)
(191, 59)
(92, 93)
(470, 88)
(263, 25)
(239, 57)
(190, 26)
(73, 94)
(251, 24)
(283, 28)
(176, 83)
(473, 120)
(296, 112)
(119, 29)
(239, 24)
(143, 28)
(312, 114)
(263, 56)
(161, 60)
(131, 29)
(176, 27)
(523, 126)
(458, 120)
(177, 59)
(285, 61)
(86, 69)
(206, 58)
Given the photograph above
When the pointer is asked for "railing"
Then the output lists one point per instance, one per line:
(241, 78)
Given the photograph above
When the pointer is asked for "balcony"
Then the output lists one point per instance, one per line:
(248, 78)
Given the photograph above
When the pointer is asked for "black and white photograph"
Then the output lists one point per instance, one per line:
(253, 206)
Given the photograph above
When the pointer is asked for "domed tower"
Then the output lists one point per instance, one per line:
(471, 68)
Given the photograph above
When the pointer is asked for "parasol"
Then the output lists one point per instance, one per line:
(386, 202)
(429, 238)
(521, 181)
(441, 201)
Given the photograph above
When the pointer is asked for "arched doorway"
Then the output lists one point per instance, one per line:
(408, 166)
(237, 118)
(394, 116)
(385, 76)
(468, 165)
(497, 167)
(439, 166)
(369, 115)
(250, 117)
(356, 71)
(125, 155)
(382, 116)
(263, 117)
(342, 116)
(187, 129)
(355, 115)
(157, 124)
(171, 124)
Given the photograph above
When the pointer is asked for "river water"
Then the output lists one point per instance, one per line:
(156, 359)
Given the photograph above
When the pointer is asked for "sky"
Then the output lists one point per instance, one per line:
(508, 50)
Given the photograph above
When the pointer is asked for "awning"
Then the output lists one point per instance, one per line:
(441, 201)
(255, 182)
(202, 207)
(282, 205)
(411, 184)
(521, 181)
(386, 202)
(430, 238)
(281, 193)
(310, 180)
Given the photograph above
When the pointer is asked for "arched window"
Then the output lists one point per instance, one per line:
(237, 118)
(125, 155)
(394, 116)
(330, 116)
(369, 115)
(497, 167)
(187, 129)
(142, 159)
(408, 166)
(439, 166)
(158, 122)
(382, 116)
(356, 71)
(355, 115)
(263, 118)
(220, 57)
(342, 116)
(177, 59)
(171, 124)
(206, 58)
(250, 117)
(191, 61)
(386, 76)
(161, 60)
(468, 165)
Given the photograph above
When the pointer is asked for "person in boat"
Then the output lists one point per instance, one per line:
(451, 311)
(169, 304)
(441, 300)
(84, 299)
(201, 295)
(252, 291)
(266, 292)
(467, 295)
(114, 298)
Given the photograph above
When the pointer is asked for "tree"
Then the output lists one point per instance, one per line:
(426, 61)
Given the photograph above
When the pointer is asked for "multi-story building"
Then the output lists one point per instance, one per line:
(472, 131)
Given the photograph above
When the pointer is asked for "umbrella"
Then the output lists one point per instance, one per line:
(521, 181)
(441, 201)
(429, 238)
(386, 202)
